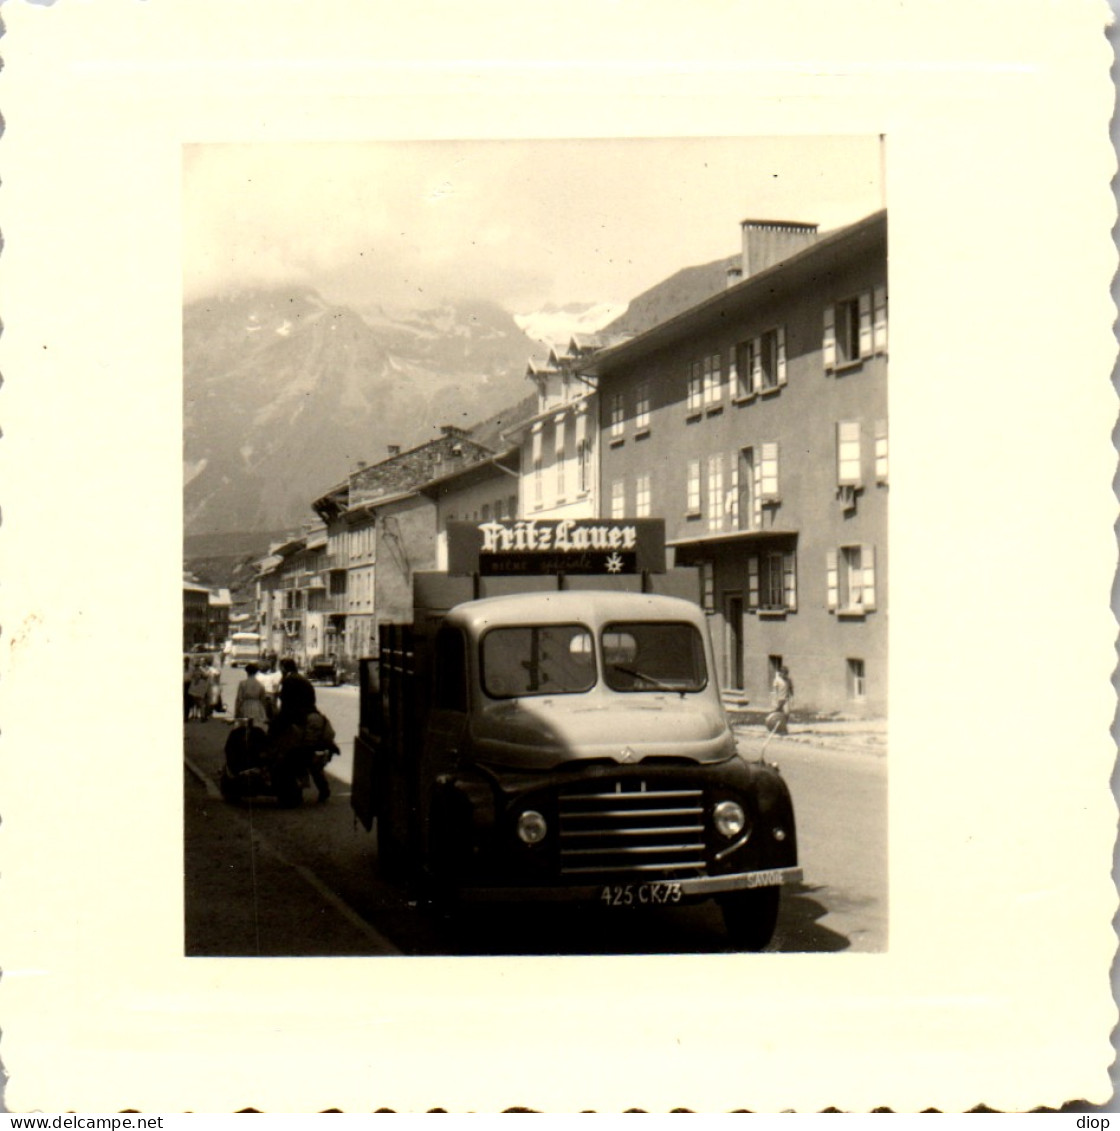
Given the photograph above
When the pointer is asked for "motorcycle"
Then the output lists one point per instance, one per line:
(280, 766)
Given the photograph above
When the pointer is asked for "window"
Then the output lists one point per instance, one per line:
(499, 509)
(848, 455)
(851, 579)
(538, 467)
(761, 363)
(512, 506)
(755, 484)
(715, 492)
(693, 506)
(713, 380)
(641, 413)
(772, 581)
(857, 680)
(618, 416)
(880, 451)
(695, 388)
(561, 446)
(642, 496)
(666, 656)
(618, 498)
(855, 329)
(583, 455)
(707, 586)
(555, 659)
(485, 512)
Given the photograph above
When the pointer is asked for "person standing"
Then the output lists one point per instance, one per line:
(781, 695)
(252, 699)
(200, 690)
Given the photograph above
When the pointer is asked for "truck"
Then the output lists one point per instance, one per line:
(555, 743)
(244, 648)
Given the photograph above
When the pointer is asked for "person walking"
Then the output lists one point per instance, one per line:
(251, 701)
(781, 697)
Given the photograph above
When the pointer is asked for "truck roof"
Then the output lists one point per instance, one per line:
(591, 607)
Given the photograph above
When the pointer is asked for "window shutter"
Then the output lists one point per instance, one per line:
(865, 336)
(561, 431)
(733, 493)
(536, 442)
(832, 572)
(581, 428)
(867, 561)
(756, 365)
(880, 319)
(829, 337)
(881, 460)
(789, 569)
(752, 581)
(781, 351)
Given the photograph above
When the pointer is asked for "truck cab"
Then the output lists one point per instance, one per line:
(569, 745)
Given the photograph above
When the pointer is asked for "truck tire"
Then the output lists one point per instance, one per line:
(751, 916)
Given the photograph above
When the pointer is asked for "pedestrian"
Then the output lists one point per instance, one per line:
(781, 697)
(270, 680)
(200, 690)
(297, 694)
(299, 730)
(252, 698)
(214, 691)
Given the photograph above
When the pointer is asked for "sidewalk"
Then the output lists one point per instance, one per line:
(849, 734)
(242, 897)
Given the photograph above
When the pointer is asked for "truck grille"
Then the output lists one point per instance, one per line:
(626, 827)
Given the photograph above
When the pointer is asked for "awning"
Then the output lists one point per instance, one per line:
(744, 538)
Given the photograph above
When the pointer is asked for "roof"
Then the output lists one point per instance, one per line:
(496, 464)
(803, 268)
(590, 607)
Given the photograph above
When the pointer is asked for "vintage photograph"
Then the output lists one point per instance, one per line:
(602, 689)
(536, 550)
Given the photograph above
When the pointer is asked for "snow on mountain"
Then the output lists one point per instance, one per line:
(555, 325)
(284, 392)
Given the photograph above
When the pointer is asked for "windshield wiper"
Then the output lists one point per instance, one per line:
(648, 679)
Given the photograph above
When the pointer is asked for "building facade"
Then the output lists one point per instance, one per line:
(559, 444)
(755, 424)
(380, 528)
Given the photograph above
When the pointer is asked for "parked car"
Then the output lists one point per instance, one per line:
(324, 669)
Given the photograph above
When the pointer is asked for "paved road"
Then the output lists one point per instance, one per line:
(839, 791)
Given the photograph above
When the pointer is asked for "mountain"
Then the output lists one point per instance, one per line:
(284, 393)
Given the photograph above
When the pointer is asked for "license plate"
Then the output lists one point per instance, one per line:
(653, 894)
(765, 879)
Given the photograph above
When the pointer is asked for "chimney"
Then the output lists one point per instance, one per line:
(394, 450)
(768, 242)
(734, 275)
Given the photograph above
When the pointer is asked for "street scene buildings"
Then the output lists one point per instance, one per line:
(753, 420)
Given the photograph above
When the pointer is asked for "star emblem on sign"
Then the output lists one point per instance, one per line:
(614, 563)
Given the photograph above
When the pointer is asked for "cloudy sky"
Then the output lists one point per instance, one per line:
(524, 223)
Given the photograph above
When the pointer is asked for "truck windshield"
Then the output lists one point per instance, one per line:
(654, 656)
(547, 659)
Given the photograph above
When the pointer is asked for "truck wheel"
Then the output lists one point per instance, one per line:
(751, 916)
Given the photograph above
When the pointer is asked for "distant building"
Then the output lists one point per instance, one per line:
(484, 491)
(196, 614)
(380, 530)
(218, 616)
(560, 442)
(755, 424)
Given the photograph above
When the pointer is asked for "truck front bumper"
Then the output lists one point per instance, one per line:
(634, 892)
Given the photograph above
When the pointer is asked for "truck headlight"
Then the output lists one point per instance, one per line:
(729, 818)
(531, 827)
